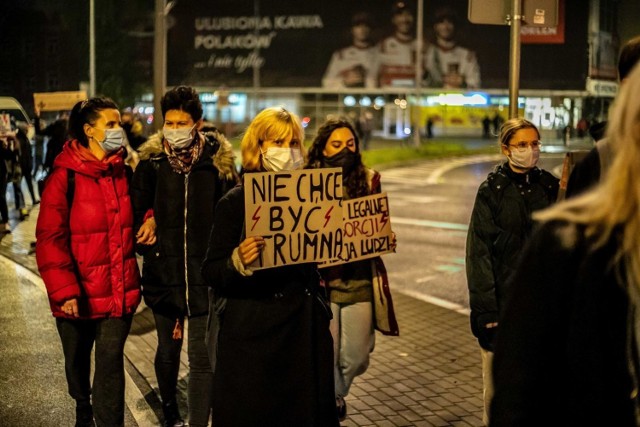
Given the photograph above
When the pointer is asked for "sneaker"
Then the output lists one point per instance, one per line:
(341, 408)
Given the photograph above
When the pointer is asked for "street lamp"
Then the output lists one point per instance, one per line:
(162, 9)
(419, 71)
(92, 48)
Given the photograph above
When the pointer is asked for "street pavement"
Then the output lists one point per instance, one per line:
(428, 376)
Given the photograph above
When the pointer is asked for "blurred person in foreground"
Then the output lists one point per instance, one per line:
(274, 359)
(358, 290)
(568, 350)
(85, 255)
(500, 224)
(587, 172)
(182, 174)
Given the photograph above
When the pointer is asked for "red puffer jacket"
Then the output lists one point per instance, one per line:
(89, 254)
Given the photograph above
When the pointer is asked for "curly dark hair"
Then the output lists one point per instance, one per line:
(356, 182)
(182, 98)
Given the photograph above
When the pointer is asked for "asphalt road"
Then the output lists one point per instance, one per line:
(33, 389)
(430, 204)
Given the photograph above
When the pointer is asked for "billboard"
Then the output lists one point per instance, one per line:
(337, 44)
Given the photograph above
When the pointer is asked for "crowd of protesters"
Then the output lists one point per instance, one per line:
(281, 346)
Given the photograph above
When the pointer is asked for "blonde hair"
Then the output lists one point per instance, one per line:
(615, 203)
(272, 123)
(511, 126)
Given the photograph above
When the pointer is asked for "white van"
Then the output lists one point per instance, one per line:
(11, 106)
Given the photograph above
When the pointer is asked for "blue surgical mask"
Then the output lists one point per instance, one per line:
(113, 140)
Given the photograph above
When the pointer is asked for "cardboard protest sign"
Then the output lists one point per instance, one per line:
(570, 161)
(366, 229)
(298, 213)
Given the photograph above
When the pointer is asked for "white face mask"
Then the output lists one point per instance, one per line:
(278, 159)
(179, 138)
(526, 159)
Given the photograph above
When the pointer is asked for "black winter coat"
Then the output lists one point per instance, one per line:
(562, 351)
(274, 362)
(500, 224)
(183, 207)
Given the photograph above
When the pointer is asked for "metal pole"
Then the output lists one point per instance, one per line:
(256, 66)
(514, 57)
(159, 61)
(92, 48)
(419, 71)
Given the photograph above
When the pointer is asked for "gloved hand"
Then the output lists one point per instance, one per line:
(485, 335)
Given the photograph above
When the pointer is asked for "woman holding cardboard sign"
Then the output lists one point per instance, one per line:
(269, 328)
(352, 285)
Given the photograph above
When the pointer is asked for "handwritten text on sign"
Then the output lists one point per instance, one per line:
(366, 229)
(298, 213)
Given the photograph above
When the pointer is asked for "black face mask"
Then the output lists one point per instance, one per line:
(345, 158)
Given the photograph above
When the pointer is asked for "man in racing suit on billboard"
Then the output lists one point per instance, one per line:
(450, 66)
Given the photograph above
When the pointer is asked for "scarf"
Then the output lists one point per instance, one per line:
(183, 160)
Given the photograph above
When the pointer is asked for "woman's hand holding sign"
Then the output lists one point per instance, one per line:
(249, 249)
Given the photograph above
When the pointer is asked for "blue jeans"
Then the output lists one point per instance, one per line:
(109, 336)
(167, 365)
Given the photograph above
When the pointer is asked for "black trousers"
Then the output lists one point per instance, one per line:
(4, 210)
(109, 335)
(167, 366)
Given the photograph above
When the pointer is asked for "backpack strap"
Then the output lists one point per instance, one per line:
(71, 187)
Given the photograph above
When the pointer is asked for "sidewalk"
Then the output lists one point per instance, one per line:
(429, 376)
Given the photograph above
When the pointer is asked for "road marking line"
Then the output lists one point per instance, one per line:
(436, 175)
(436, 301)
(137, 404)
(428, 223)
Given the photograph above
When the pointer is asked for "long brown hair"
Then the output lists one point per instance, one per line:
(356, 182)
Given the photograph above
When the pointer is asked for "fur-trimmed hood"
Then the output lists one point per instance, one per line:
(223, 159)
